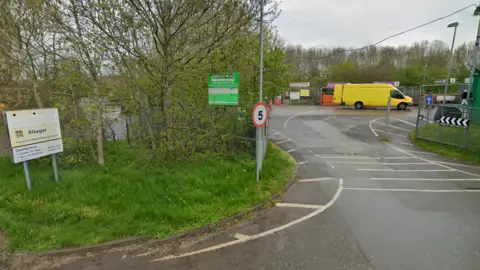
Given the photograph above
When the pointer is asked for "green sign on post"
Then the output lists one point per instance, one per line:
(223, 89)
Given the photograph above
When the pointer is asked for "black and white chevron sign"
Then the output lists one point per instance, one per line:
(452, 121)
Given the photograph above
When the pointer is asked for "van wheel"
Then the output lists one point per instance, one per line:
(402, 106)
(358, 105)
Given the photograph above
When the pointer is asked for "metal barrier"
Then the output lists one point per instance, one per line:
(450, 124)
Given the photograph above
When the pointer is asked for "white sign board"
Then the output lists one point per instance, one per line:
(38, 150)
(299, 85)
(453, 80)
(467, 80)
(33, 133)
(294, 95)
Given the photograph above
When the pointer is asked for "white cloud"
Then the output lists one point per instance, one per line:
(357, 23)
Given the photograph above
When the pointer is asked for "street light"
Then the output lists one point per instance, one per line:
(475, 54)
(454, 25)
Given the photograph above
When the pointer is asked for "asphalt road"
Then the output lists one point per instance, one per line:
(359, 204)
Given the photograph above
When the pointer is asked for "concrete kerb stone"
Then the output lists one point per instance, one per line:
(169, 240)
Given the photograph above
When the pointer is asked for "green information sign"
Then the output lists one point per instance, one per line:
(223, 89)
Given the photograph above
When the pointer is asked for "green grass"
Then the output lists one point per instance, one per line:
(92, 205)
(450, 135)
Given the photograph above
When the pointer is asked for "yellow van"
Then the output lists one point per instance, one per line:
(370, 95)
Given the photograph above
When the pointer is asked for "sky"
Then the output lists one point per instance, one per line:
(356, 23)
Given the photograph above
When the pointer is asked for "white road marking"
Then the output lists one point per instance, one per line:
(380, 163)
(284, 141)
(456, 164)
(361, 157)
(429, 161)
(403, 121)
(276, 133)
(316, 179)
(419, 152)
(414, 190)
(370, 125)
(392, 126)
(310, 150)
(298, 205)
(327, 118)
(240, 236)
(401, 143)
(291, 150)
(260, 235)
(328, 163)
(378, 130)
(424, 179)
(302, 162)
(395, 170)
(293, 116)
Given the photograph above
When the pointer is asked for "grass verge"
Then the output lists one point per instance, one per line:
(92, 205)
(449, 135)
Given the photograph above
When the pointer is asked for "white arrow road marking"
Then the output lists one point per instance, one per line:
(316, 179)
(240, 236)
(298, 205)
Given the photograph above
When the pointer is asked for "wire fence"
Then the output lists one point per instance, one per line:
(454, 125)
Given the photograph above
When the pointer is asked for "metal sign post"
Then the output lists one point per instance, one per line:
(259, 118)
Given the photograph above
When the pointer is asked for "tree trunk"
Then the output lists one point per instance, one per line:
(36, 94)
(98, 124)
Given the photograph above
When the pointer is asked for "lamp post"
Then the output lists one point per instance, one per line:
(454, 25)
(475, 53)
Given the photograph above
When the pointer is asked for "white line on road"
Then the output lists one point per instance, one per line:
(395, 170)
(371, 128)
(380, 163)
(403, 121)
(260, 235)
(357, 157)
(431, 162)
(316, 179)
(327, 118)
(293, 116)
(391, 126)
(424, 179)
(310, 150)
(378, 130)
(402, 143)
(284, 141)
(456, 164)
(419, 152)
(240, 236)
(302, 162)
(291, 150)
(298, 205)
(326, 162)
(413, 190)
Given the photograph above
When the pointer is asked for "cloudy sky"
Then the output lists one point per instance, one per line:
(355, 23)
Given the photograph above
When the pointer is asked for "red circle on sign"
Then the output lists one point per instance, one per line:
(256, 115)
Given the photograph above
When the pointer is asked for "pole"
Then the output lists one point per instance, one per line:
(420, 98)
(449, 67)
(259, 130)
(27, 174)
(475, 59)
(387, 117)
(55, 168)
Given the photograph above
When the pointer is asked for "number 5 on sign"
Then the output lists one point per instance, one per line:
(260, 114)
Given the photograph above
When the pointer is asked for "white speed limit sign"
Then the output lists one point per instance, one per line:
(260, 114)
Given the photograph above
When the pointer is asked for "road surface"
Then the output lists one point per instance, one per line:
(359, 203)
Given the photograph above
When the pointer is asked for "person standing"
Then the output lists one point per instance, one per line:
(464, 97)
